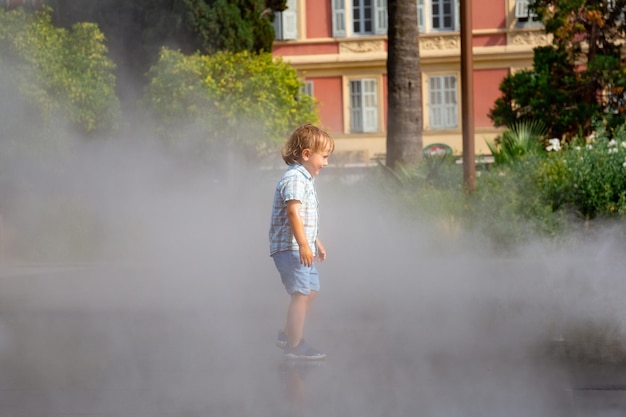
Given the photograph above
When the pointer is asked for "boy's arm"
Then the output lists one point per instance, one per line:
(293, 215)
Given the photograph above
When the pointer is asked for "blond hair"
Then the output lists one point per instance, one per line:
(306, 137)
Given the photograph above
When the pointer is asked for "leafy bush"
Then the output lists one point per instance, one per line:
(242, 98)
(64, 74)
(505, 207)
(588, 176)
(523, 137)
(529, 192)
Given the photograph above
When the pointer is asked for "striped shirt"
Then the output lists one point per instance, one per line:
(295, 184)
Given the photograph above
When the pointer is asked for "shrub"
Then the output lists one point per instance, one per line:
(63, 74)
(588, 176)
(240, 98)
(523, 138)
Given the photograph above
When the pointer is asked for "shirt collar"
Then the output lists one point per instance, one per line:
(299, 167)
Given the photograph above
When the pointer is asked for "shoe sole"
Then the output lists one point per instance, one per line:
(293, 356)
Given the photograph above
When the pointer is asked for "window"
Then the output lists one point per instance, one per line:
(523, 13)
(614, 99)
(359, 17)
(369, 17)
(610, 9)
(307, 88)
(442, 91)
(438, 15)
(443, 15)
(363, 105)
(286, 22)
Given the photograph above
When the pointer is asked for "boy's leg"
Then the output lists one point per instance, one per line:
(296, 316)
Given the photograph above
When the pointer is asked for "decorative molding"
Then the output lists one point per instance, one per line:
(357, 47)
(524, 38)
(442, 42)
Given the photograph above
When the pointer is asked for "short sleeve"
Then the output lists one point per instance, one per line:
(293, 189)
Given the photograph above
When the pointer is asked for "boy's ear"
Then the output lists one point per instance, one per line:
(306, 154)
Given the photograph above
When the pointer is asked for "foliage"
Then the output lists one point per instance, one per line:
(505, 207)
(244, 99)
(544, 193)
(523, 138)
(62, 73)
(576, 80)
(589, 177)
(137, 30)
(227, 25)
(553, 92)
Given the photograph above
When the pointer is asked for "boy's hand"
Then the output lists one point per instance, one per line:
(306, 255)
(321, 252)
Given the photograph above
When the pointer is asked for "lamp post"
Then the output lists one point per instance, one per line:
(467, 96)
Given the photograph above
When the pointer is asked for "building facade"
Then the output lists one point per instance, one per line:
(339, 47)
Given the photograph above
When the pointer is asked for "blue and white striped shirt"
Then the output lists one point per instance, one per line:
(295, 184)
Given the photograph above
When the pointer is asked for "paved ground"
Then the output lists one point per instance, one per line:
(147, 342)
(417, 321)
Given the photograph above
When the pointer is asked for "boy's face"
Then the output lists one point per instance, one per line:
(314, 161)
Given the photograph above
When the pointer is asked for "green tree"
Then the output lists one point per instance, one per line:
(63, 74)
(404, 134)
(243, 99)
(137, 30)
(232, 25)
(576, 80)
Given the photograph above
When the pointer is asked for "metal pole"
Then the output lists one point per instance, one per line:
(1, 240)
(467, 96)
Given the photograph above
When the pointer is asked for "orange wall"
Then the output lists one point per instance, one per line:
(486, 91)
(318, 19)
(488, 14)
(330, 103)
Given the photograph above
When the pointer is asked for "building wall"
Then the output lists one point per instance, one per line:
(336, 64)
(487, 83)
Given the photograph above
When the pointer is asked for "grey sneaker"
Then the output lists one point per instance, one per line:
(281, 340)
(303, 351)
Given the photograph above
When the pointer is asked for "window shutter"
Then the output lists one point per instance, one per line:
(421, 17)
(443, 102)
(356, 107)
(381, 17)
(450, 90)
(521, 9)
(370, 106)
(278, 26)
(457, 15)
(307, 88)
(339, 18)
(290, 21)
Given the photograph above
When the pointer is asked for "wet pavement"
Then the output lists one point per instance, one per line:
(139, 341)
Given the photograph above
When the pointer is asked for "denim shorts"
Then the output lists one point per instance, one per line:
(295, 276)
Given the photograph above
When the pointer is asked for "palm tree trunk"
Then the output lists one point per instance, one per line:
(404, 85)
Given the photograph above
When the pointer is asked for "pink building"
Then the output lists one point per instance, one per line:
(340, 49)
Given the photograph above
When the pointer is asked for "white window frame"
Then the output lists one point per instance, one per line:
(343, 17)
(425, 16)
(363, 105)
(286, 22)
(443, 107)
(523, 14)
